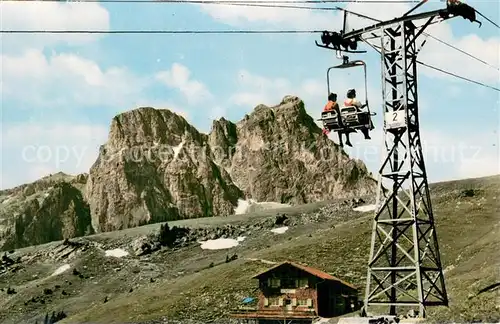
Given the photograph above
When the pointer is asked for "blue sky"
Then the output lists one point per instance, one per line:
(59, 92)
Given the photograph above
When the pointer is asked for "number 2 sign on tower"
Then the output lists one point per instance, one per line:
(395, 119)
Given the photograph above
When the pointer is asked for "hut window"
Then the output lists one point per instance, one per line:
(302, 302)
(274, 301)
(303, 282)
(275, 282)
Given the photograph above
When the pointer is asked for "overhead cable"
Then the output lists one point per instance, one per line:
(160, 31)
(442, 71)
(285, 6)
(249, 3)
(243, 3)
(457, 76)
(488, 19)
(462, 51)
(431, 36)
(223, 1)
(260, 4)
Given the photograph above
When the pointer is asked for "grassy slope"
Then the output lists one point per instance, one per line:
(469, 242)
(468, 233)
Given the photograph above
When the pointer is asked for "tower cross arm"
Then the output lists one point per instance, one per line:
(452, 10)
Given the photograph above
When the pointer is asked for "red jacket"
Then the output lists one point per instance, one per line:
(330, 105)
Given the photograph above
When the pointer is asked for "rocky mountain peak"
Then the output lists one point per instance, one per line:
(149, 126)
(279, 154)
(157, 167)
(51, 208)
(289, 120)
(222, 139)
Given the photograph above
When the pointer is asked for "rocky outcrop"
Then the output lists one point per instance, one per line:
(156, 167)
(49, 209)
(280, 154)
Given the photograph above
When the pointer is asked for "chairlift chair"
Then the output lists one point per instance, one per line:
(352, 118)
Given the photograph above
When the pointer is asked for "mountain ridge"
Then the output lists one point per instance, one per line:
(156, 167)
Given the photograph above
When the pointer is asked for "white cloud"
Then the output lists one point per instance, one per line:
(35, 150)
(179, 77)
(439, 55)
(459, 155)
(195, 92)
(67, 79)
(241, 15)
(51, 87)
(256, 89)
(301, 18)
(447, 155)
(380, 11)
(40, 15)
(484, 165)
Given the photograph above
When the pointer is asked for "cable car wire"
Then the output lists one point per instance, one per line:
(249, 3)
(488, 19)
(462, 51)
(160, 31)
(246, 3)
(457, 76)
(209, 2)
(215, 32)
(224, 2)
(433, 37)
(231, 3)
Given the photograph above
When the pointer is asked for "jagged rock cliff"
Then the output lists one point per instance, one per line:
(49, 209)
(156, 167)
(280, 154)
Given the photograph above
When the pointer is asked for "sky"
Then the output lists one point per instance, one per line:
(60, 91)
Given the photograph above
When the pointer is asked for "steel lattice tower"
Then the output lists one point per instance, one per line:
(404, 266)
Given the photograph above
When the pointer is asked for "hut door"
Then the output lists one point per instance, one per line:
(288, 304)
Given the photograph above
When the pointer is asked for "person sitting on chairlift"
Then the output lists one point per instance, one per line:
(332, 105)
(352, 101)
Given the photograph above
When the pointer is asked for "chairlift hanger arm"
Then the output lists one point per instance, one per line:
(349, 40)
(338, 49)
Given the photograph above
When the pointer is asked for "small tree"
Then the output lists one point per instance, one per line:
(168, 236)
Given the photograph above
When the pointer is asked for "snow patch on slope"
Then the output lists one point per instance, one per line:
(246, 206)
(61, 269)
(177, 149)
(243, 206)
(322, 320)
(366, 208)
(221, 243)
(117, 253)
(280, 230)
(262, 260)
